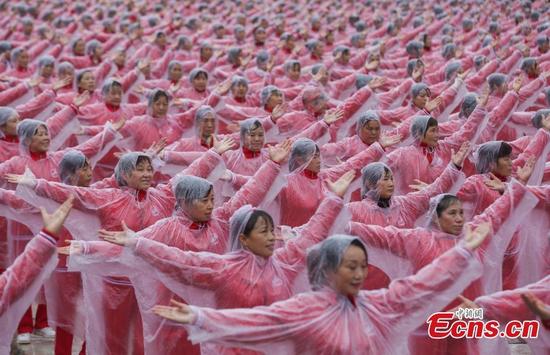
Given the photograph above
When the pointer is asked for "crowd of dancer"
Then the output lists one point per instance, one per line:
(247, 177)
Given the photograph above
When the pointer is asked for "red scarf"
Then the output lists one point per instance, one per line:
(141, 194)
(207, 145)
(311, 174)
(241, 100)
(11, 139)
(428, 152)
(111, 107)
(248, 154)
(500, 177)
(38, 155)
(198, 225)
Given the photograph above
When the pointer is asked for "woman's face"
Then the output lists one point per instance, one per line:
(260, 36)
(315, 163)
(323, 75)
(319, 49)
(352, 271)
(67, 74)
(23, 59)
(140, 178)
(206, 53)
(361, 42)
(290, 43)
(120, 58)
(294, 72)
(275, 99)
(385, 186)
(501, 89)
(160, 107)
(84, 175)
(427, 41)
(451, 220)
(421, 99)
(27, 28)
(344, 58)
(240, 35)
(329, 38)
(160, 40)
(208, 126)
(87, 82)
(431, 137)
(98, 52)
(186, 45)
(261, 240)
(40, 142)
(239, 91)
(370, 132)
(176, 72)
(534, 70)
(114, 96)
(47, 70)
(503, 166)
(254, 140)
(318, 105)
(219, 32)
(79, 47)
(200, 82)
(201, 209)
(10, 127)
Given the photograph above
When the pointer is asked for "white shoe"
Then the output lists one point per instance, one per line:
(24, 338)
(45, 332)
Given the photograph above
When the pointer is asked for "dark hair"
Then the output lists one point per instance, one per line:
(257, 124)
(203, 73)
(505, 150)
(356, 242)
(80, 75)
(254, 217)
(445, 202)
(143, 158)
(332, 261)
(432, 122)
(160, 93)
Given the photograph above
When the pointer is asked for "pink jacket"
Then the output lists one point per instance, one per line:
(114, 205)
(404, 210)
(479, 196)
(236, 278)
(370, 323)
(46, 165)
(26, 268)
(412, 162)
(305, 191)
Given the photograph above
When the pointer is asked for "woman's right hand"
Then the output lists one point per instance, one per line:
(224, 145)
(340, 186)
(74, 247)
(180, 312)
(474, 237)
(122, 238)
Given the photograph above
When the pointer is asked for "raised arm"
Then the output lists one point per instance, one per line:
(85, 197)
(253, 192)
(416, 203)
(373, 153)
(202, 269)
(409, 302)
(26, 269)
(317, 229)
(387, 238)
(508, 305)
